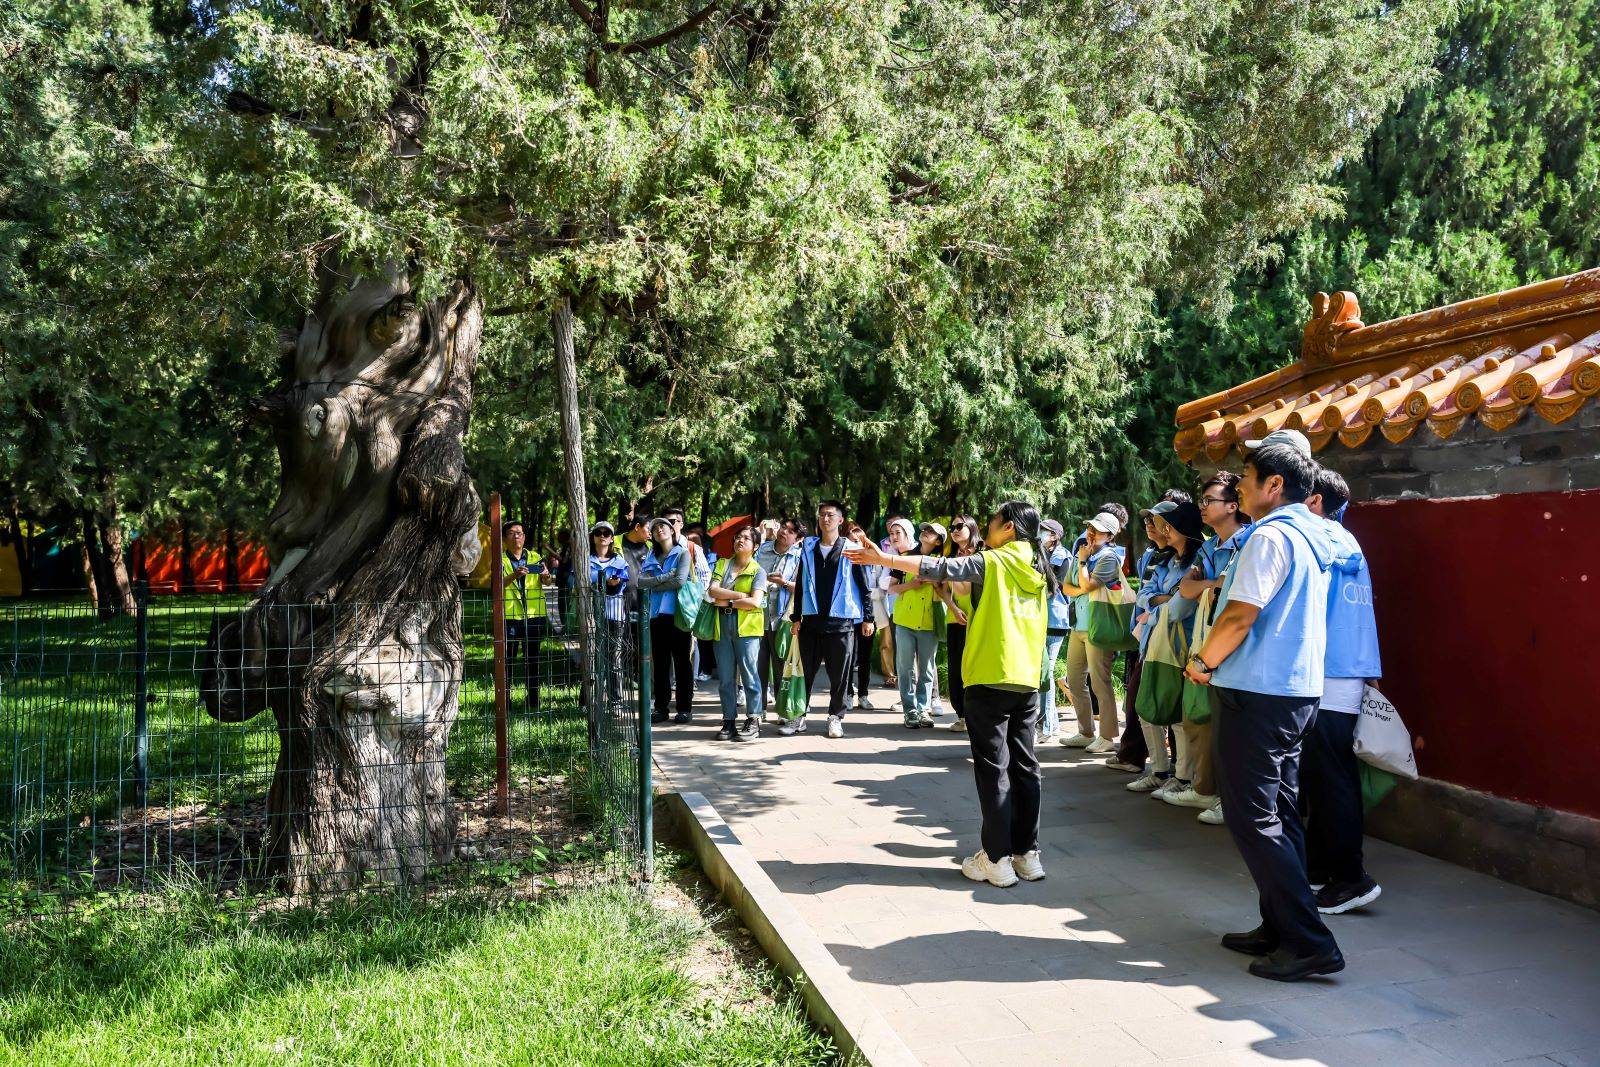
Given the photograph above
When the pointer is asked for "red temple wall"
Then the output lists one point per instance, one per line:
(1489, 621)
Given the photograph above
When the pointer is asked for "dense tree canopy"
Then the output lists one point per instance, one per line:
(1484, 178)
(911, 251)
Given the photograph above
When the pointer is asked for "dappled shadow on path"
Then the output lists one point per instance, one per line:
(1114, 957)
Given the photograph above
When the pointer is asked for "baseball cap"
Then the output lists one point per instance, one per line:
(1160, 508)
(936, 528)
(1293, 438)
(1053, 526)
(1185, 518)
(1106, 523)
(602, 527)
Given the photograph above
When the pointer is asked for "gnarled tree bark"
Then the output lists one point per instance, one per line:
(354, 643)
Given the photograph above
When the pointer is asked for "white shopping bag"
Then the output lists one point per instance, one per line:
(1381, 738)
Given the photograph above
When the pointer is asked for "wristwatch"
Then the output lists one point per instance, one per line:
(1205, 668)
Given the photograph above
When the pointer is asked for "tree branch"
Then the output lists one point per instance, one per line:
(645, 44)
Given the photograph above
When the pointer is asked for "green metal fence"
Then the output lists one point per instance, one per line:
(115, 778)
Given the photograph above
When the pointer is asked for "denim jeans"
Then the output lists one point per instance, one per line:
(916, 662)
(1047, 684)
(738, 663)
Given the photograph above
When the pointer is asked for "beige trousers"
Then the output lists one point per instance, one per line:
(1090, 668)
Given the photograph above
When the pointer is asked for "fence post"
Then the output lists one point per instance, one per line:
(647, 830)
(141, 682)
(497, 610)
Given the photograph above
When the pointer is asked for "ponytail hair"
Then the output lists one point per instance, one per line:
(1024, 518)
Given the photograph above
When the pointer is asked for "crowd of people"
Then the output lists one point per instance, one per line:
(1243, 636)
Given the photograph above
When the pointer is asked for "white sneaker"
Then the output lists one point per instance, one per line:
(1212, 816)
(998, 873)
(1028, 866)
(1171, 785)
(937, 709)
(1044, 738)
(1117, 765)
(771, 699)
(1145, 783)
(959, 726)
(835, 727)
(1187, 798)
(793, 726)
(864, 702)
(1099, 747)
(1075, 740)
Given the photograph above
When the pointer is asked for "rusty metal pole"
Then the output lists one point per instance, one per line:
(497, 608)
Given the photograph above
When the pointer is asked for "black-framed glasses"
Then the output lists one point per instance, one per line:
(1213, 500)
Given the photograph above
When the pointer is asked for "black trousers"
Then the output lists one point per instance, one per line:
(836, 650)
(669, 653)
(1000, 725)
(1330, 800)
(1132, 747)
(1258, 740)
(524, 658)
(862, 670)
(771, 667)
(955, 645)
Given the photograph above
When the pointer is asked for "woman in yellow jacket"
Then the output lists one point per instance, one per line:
(1011, 587)
(739, 590)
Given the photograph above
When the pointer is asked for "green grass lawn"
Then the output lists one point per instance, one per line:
(592, 975)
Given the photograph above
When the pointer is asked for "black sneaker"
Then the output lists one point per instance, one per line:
(658, 717)
(1336, 898)
(727, 731)
(749, 730)
(681, 718)
(1257, 942)
(1284, 966)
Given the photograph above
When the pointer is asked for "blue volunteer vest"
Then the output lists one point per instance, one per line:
(662, 601)
(1352, 626)
(1284, 651)
(844, 602)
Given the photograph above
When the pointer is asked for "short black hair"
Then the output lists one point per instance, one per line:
(1116, 509)
(835, 505)
(505, 527)
(1298, 470)
(1228, 483)
(695, 527)
(1331, 486)
(799, 525)
(1177, 496)
(667, 513)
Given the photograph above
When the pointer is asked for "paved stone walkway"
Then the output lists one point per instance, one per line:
(1113, 959)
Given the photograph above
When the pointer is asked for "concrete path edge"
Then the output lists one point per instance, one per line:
(832, 998)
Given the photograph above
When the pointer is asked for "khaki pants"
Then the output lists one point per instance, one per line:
(1155, 740)
(1090, 668)
(1194, 757)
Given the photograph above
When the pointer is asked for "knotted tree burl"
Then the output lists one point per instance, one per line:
(354, 643)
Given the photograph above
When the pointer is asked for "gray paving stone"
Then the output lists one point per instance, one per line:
(1113, 958)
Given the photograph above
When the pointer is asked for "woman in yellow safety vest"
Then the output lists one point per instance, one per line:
(526, 624)
(739, 590)
(1011, 587)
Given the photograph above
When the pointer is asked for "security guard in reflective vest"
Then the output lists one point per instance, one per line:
(1001, 668)
(525, 573)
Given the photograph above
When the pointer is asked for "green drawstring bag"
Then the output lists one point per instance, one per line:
(1110, 623)
(1160, 699)
(941, 625)
(792, 696)
(691, 605)
(1197, 698)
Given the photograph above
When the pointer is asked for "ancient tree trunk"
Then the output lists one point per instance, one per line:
(577, 496)
(116, 592)
(354, 643)
(89, 556)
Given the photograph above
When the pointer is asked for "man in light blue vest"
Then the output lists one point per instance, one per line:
(1330, 799)
(829, 613)
(1264, 658)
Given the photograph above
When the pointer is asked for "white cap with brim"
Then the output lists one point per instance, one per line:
(1106, 523)
(1293, 438)
(936, 528)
